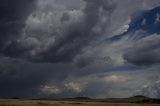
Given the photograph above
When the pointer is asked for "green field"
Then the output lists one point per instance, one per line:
(12, 102)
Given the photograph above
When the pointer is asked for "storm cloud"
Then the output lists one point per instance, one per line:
(12, 19)
(65, 42)
(68, 48)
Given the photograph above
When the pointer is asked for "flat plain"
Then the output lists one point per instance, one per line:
(21, 102)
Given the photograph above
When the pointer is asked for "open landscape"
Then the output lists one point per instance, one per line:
(81, 101)
(11, 102)
(79, 52)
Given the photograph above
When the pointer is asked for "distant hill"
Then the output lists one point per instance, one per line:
(134, 99)
(79, 99)
(139, 96)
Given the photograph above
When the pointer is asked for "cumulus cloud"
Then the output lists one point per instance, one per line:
(58, 34)
(70, 41)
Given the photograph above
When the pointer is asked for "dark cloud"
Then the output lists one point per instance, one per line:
(145, 51)
(42, 43)
(78, 35)
(70, 42)
(19, 49)
(23, 79)
(13, 15)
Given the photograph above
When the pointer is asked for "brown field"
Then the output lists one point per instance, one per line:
(14, 102)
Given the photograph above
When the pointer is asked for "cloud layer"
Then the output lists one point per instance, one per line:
(68, 48)
(145, 51)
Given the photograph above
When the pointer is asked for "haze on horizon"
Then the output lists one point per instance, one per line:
(72, 48)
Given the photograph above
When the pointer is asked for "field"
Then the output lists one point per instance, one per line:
(16, 102)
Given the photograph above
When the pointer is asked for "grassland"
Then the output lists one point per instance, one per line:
(16, 102)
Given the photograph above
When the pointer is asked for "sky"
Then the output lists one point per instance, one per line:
(73, 48)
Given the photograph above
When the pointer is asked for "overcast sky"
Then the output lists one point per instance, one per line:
(69, 48)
